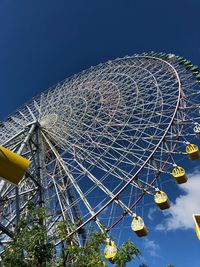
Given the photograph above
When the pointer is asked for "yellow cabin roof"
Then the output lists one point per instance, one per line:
(192, 148)
(137, 223)
(160, 197)
(178, 171)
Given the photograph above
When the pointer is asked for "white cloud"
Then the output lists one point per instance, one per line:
(151, 213)
(152, 248)
(179, 216)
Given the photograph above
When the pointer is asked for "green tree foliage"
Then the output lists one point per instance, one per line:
(31, 246)
(90, 254)
(126, 253)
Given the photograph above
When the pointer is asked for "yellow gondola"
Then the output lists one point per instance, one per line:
(162, 200)
(196, 218)
(192, 151)
(139, 227)
(110, 251)
(12, 165)
(179, 175)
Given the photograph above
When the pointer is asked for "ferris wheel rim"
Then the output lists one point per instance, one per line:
(145, 162)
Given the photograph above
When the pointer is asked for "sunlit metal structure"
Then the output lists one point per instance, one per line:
(99, 140)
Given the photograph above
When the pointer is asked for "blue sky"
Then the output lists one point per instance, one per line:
(44, 41)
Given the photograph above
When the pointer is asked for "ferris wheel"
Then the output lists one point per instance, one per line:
(101, 141)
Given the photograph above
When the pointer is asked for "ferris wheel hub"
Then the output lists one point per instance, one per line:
(48, 121)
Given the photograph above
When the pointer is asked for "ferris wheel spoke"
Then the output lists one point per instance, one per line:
(120, 173)
(31, 113)
(75, 184)
(69, 215)
(65, 202)
(104, 188)
(36, 106)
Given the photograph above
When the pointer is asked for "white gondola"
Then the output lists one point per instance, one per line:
(110, 251)
(197, 130)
